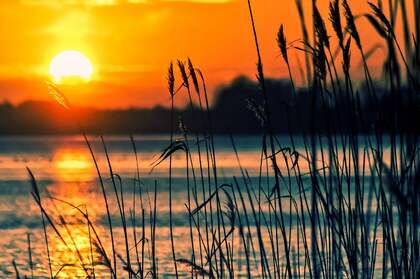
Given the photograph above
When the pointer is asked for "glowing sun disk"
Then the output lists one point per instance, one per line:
(70, 64)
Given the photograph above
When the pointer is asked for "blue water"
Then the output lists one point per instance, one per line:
(64, 169)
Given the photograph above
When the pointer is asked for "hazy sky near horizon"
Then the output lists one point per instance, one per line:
(131, 42)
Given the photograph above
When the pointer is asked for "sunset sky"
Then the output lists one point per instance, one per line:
(131, 42)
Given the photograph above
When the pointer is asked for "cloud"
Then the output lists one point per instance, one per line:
(79, 2)
(113, 2)
(199, 1)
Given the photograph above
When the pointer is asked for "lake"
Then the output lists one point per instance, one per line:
(64, 169)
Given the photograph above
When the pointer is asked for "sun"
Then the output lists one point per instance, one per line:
(70, 64)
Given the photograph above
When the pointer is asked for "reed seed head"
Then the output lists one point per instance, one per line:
(320, 28)
(351, 25)
(171, 79)
(193, 76)
(335, 19)
(282, 44)
(184, 75)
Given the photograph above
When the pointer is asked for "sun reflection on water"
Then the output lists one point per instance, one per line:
(71, 164)
(74, 253)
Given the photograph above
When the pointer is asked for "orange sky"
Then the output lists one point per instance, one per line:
(131, 42)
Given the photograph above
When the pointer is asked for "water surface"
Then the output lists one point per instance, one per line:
(64, 169)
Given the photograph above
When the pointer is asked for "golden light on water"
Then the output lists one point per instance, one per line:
(69, 260)
(75, 173)
(70, 64)
(71, 163)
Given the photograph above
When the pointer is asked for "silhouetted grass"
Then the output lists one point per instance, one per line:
(335, 205)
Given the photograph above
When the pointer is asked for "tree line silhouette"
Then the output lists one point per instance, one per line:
(236, 109)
